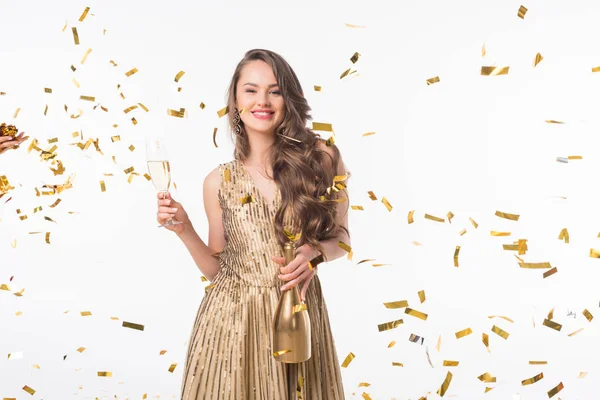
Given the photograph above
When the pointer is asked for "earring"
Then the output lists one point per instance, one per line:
(236, 123)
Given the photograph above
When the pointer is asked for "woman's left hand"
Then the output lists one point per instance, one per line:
(298, 270)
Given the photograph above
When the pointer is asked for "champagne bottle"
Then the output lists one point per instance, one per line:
(291, 323)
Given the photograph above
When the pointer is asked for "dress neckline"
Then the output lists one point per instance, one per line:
(270, 204)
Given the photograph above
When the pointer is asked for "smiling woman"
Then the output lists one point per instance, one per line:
(277, 188)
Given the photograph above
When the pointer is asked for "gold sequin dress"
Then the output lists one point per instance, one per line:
(229, 355)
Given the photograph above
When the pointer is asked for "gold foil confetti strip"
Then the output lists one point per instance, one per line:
(535, 265)
(81, 349)
(13, 244)
(494, 233)
(522, 11)
(380, 265)
(53, 140)
(87, 98)
(392, 343)
(129, 109)
(76, 83)
(372, 195)
(503, 334)
(550, 314)
(39, 208)
(416, 314)
(143, 107)
(483, 51)
(355, 26)
(131, 325)
(397, 364)
(485, 338)
(462, 232)
(463, 333)
(85, 56)
(596, 69)
(106, 374)
(493, 71)
(396, 304)
(421, 294)
(179, 75)
(115, 138)
(522, 246)
(134, 121)
(475, 224)
(36, 366)
(84, 14)
(365, 260)
(538, 59)
(299, 308)
(436, 219)
(448, 363)
(19, 313)
(389, 325)
(75, 35)
(433, 80)
(502, 317)
(16, 113)
(366, 396)
(587, 315)
(368, 134)
(163, 352)
(317, 88)
(175, 113)
(552, 121)
(456, 251)
(19, 293)
(29, 390)
(450, 215)
(148, 177)
(129, 170)
(487, 378)
(247, 199)
(48, 237)
(442, 390)
(345, 246)
(131, 72)
(322, 126)
(47, 90)
(172, 368)
(564, 235)
(552, 392)
(582, 375)
(215, 137)
(439, 343)
(281, 352)
(594, 253)
(64, 27)
(85, 313)
(102, 186)
(114, 318)
(538, 362)
(348, 360)
(73, 69)
(357, 208)
(551, 324)
(512, 217)
(223, 112)
(550, 272)
(575, 332)
(387, 204)
(202, 105)
(4, 286)
(355, 58)
(131, 148)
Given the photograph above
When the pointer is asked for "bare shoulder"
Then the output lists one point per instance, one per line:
(213, 179)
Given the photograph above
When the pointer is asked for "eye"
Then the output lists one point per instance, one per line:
(277, 92)
(250, 91)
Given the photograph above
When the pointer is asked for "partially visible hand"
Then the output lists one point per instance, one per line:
(9, 142)
(169, 208)
(298, 270)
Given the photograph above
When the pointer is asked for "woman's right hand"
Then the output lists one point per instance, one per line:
(169, 208)
(9, 142)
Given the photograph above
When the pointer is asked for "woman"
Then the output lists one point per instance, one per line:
(273, 190)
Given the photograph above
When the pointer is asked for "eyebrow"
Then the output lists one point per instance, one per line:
(254, 84)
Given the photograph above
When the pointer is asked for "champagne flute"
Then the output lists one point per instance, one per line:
(159, 169)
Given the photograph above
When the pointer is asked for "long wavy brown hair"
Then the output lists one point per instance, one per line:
(301, 170)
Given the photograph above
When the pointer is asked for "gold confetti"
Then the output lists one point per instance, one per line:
(148, 177)
(538, 362)
(134, 121)
(551, 314)
(503, 317)
(448, 363)
(29, 390)
(594, 253)
(439, 343)
(355, 58)
(483, 52)
(223, 112)
(299, 308)
(463, 333)
(355, 26)
(552, 392)
(564, 235)
(436, 219)
(535, 265)
(281, 352)
(202, 105)
(16, 113)
(345, 246)
(128, 170)
(85, 56)
(442, 390)
(102, 186)
(487, 378)
(357, 208)
(317, 88)
(348, 360)
(48, 237)
(368, 134)
(551, 324)
(47, 90)
(416, 313)
(131, 72)
(322, 126)
(503, 334)
(115, 138)
(492, 71)
(172, 368)
(411, 216)
(372, 195)
(456, 251)
(392, 343)
(389, 325)
(538, 59)
(387, 204)
(587, 315)
(131, 148)
(81, 349)
(433, 80)
(85, 313)
(494, 233)
(19, 313)
(179, 75)
(15, 356)
(87, 98)
(174, 113)
(75, 35)
(550, 272)
(575, 332)
(143, 107)
(512, 217)
(129, 109)
(551, 121)
(422, 296)
(84, 14)
(131, 325)
(475, 224)
(105, 374)
(582, 375)
(522, 11)
(397, 364)
(396, 304)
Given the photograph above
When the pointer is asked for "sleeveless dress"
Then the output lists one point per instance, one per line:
(230, 354)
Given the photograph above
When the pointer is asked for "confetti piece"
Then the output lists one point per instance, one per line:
(416, 314)
(131, 325)
(81, 349)
(442, 390)
(551, 121)
(483, 52)
(587, 315)
(355, 26)
(436, 219)
(575, 332)
(582, 375)
(15, 356)
(106, 374)
(129, 170)
(538, 362)
(29, 390)
(415, 338)
(48, 237)
(448, 363)
(492, 71)
(397, 364)
(202, 106)
(494, 233)
(75, 35)
(84, 14)
(535, 265)
(357, 208)
(463, 333)
(422, 296)
(134, 121)
(550, 272)
(387, 204)
(411, 216)
(19, 313)
(348, 360)
(322, 126)
(317, 88)
(487, 378)
(503, 317)
(433, 80)
(552, 324)
(87, 98)
(85, 313)
(131, 72)
(143, 107)
(16, 113)
(392, 343)
(512, 217)
(389, 325)
(129, 109)
(85, 56)
(396, 304)
(102, 186)
(503, 334)
(355, 58)
(179, 75)
(538, 59)
(175, 113)
(564, 235)
(594, 253)
(345, 246)
(299, 308)
(552, 392)
(223, 111)
(131, 148)
(280, 352)
(439, 343)
(522, 11)
(456, 251)
(172, 368)
(372, 195)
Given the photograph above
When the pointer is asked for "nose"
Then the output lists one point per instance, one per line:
(263, 99)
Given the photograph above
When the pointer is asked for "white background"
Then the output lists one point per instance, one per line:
(469, 144)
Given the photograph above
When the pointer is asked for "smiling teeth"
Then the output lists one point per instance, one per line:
(262, 113)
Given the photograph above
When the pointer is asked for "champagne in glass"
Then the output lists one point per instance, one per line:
(160, 170)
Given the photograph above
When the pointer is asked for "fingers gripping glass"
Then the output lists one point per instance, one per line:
(159, 170)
